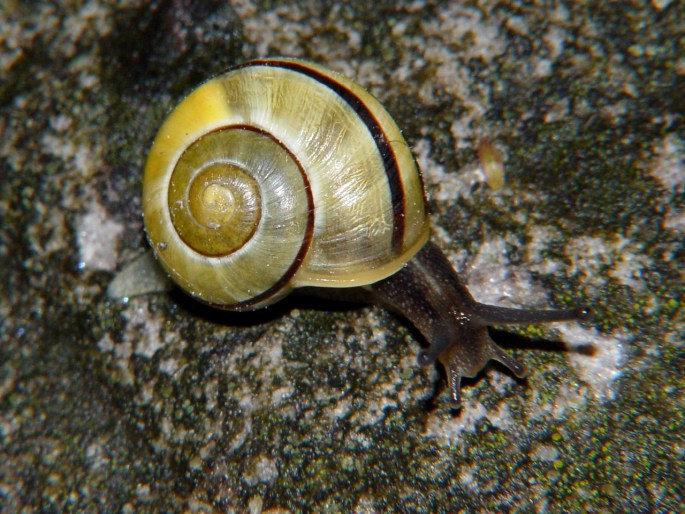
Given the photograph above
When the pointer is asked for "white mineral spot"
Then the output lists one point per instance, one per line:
(96, 455)
(281, 394)
(447, 185)
(148, 342)
(668, 165)
(106, 344)
(630, 263)
(675, 220)
(545, 452)
(467, 476)
(600, 369)
(493, 280)
(587, 255)
(98, 238)
(448, 430)
(169, 366)
(255, 505)
(264, 470)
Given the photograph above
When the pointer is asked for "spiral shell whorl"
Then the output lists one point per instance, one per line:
(231, 194)
(214, 203)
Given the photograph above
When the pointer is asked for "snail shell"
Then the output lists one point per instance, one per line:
(280, 174)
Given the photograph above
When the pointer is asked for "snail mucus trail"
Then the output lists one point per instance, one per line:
(280, 174)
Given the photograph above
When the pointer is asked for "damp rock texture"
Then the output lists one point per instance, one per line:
(161, 404)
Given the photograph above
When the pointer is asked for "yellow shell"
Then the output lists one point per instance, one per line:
(280, 174)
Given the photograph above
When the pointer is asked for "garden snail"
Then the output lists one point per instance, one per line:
(281, 174)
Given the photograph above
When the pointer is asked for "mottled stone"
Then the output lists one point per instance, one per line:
(160, 404)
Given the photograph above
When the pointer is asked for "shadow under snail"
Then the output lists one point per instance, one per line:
(281, 174)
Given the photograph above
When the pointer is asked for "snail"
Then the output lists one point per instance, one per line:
(280, 174)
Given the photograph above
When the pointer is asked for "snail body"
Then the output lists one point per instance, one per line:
(281, 174)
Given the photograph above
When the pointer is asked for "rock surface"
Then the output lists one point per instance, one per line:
(160, 404)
